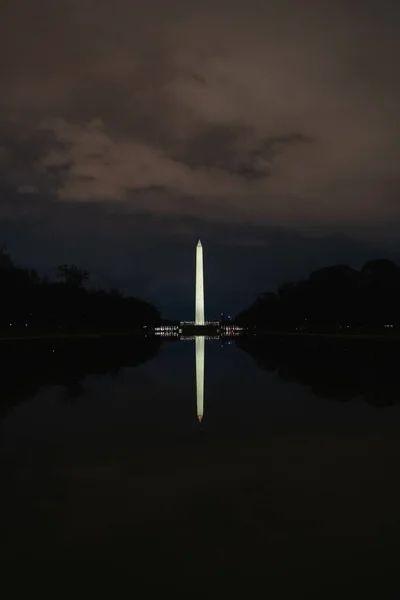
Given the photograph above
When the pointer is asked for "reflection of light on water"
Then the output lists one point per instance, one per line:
(185, 338)
(166, 334)
(200, 341)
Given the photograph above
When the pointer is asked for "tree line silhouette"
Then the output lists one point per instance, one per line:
(66, 305)
(333, 297)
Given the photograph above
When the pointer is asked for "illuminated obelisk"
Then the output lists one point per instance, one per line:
(200, 376)
(199, 317)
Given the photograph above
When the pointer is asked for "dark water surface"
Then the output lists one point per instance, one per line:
(288, 487)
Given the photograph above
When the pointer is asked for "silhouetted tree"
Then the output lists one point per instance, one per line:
(72, 275)
(336, 296)
(116, 293)
(29, 301)
(5, 260)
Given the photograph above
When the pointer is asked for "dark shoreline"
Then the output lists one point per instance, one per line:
(341, 336)
(80, 335)
(140, 333)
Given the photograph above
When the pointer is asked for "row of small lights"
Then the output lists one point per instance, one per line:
(194, 322)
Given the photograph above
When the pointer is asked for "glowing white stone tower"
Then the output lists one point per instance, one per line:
(199, 320)
(200, 376)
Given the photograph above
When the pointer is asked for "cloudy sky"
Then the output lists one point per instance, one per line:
(268, 128)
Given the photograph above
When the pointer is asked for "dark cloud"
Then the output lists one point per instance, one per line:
(218, 87)
(226, 148)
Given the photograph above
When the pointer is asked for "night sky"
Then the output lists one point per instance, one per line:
(269, 129)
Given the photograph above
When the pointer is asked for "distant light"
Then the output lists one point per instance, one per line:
(10, 324)
(26, 324)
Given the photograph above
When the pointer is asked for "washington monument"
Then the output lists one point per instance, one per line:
(199, 318)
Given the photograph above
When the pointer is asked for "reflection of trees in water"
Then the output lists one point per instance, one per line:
(29, 366)
(333, 369)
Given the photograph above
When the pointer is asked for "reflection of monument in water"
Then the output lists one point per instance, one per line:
(200, 346)
(199, 330)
